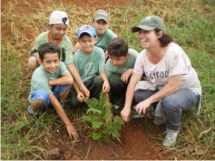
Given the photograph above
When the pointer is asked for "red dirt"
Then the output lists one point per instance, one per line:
(137, 142)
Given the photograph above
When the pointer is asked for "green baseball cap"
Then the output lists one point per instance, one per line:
(101, 15)
(150, 23)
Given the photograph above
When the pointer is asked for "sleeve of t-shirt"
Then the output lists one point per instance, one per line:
(63, 69)
(75, 59)
(67, 47)
(138, 66)
(112, 35)
(178, 63)
(101, 60)
(40, 81)
(133, 55)
(35, 47)
(108, 68)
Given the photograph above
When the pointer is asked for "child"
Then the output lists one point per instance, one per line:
(104, 34)
(90, 62)
(58, 23)
(119, 69)
(49, 82)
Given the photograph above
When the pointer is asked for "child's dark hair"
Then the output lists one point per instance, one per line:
(48, 47)
(117, 47)
(165, 39)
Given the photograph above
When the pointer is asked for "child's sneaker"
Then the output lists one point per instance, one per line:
(170, 138)
(33, 114)
(115, 106)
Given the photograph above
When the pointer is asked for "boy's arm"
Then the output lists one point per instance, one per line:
(76, 47)
(64, 80)
(80, 95)
(106, 85)
(70, 128)
(34, 50)
(73, 70)
(126, 75)
(36, 55)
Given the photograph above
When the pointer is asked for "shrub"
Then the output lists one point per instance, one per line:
(97, 115)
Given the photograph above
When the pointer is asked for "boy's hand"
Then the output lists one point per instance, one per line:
(105, 87)
(125, 114)
(85, 91)
(71, 130)
(80, 97)
(126, 75)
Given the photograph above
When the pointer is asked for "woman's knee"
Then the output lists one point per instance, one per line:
(141, 95)
(170, 103)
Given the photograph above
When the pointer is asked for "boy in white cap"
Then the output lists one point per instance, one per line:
(90, 62)
(58, 23)
(103, 33)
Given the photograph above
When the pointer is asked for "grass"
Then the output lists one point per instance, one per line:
(192, 26)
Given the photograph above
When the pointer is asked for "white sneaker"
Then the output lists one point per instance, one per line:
(170, 138)
(115, 106)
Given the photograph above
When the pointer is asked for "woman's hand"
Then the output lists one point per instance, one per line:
(142, 106)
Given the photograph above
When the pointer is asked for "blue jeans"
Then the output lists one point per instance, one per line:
(41, 94)
(172, 105)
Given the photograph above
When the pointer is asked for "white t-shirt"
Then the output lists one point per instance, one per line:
(174, 62)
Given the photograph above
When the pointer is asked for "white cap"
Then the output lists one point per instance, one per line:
(58, 17)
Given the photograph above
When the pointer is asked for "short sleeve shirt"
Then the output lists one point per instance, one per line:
(89, 65)
(65, 46)
(103, 41)
(41, 77)
(128, 64)
(175, 62)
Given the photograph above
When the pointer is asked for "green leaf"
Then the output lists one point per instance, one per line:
(94, 111)
(97, 125)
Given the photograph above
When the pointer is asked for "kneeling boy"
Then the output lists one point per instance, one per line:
(49, 82)
(119, 68)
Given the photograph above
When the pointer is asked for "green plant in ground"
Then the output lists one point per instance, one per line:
(96, 115)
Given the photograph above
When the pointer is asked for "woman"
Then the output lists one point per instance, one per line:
(174, 83)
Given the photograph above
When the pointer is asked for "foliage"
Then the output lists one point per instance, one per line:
(97, 115)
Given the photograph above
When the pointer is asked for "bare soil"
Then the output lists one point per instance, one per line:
(140, 140)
